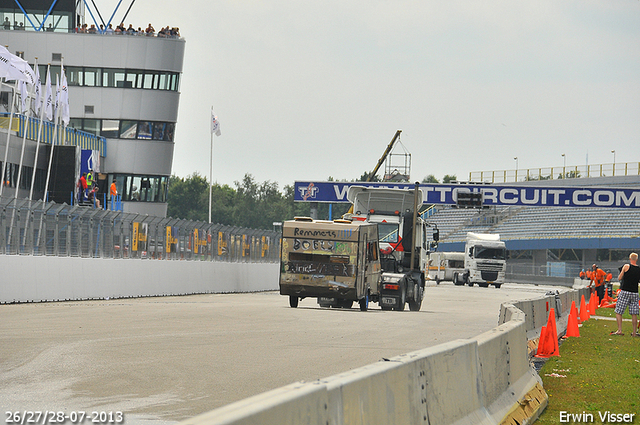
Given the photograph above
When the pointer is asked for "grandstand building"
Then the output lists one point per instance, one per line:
(123, 97)
(550, 241)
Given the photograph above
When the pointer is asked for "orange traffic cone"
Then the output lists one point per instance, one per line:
(572, 324)
(549, 346)
(606, 300)
(542, 341)
(584, 314)
(593, 304)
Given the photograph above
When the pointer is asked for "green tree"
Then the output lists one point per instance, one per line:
(365, 176)
(430, 179)
(449, 178)
(188, 197)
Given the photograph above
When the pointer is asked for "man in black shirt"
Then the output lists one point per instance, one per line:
(629, 277)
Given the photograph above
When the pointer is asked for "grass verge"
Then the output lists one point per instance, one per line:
(598, 373)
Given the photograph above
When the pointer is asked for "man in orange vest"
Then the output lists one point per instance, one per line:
(597, 278)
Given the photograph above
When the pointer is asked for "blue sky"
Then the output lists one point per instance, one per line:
(307, 90)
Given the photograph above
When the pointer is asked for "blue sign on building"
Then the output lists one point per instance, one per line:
(446, 194)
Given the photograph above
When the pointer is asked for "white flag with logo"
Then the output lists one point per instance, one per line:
(47, 100)
(215, 124)
(38, 92)
(14, 68)
(23, 96)
(64, 98)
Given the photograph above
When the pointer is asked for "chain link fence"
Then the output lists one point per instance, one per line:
(39, 228)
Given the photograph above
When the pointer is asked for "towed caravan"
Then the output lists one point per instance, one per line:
(336, 262)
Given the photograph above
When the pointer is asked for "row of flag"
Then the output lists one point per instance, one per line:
(15, 68)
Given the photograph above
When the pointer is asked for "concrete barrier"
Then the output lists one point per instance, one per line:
(34, 279)
(483, 380)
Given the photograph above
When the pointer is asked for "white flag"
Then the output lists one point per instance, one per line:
(215, 124)
(47, 100)
(64, 98)
(57, 111)
(23, 97)
(38, 94)
(65, 101)
(14, 68)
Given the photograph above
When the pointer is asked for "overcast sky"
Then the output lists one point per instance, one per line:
(305, 90)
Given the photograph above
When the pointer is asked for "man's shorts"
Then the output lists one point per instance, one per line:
(627, 299)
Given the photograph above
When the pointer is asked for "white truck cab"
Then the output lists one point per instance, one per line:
(485, 261)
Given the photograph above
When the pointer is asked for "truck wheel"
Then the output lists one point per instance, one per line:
(456, 279)
(416, 303)
(293, 301)
(364, 302)
(483, 285)
(437, 281)
(498, 285)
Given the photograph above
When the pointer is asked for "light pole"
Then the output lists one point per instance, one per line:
(516, 159)
(614, 161)
(564, 160)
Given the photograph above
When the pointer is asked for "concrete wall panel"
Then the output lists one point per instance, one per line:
(34, 279)
(295, 404)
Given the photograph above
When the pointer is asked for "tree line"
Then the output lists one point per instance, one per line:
(247, 204)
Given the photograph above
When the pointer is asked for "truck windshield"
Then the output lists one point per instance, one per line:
(388, 232)
(490, 253)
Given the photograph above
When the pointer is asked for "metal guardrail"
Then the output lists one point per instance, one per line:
(38, 228)
(72, 137)
(554, 173)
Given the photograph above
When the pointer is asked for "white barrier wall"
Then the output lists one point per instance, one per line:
(483, 380)
(29, 279)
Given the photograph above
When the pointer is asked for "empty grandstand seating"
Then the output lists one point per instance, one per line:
(538, 223)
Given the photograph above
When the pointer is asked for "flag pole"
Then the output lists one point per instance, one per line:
(26, 119)
(6, 151)
(211, 166)
(39, 137)
(53, 142)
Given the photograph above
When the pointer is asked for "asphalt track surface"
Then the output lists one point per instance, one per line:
(165, 359)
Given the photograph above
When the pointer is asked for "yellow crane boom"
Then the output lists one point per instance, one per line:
(380, 161)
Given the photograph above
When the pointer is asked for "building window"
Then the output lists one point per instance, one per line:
(92, 77)
(128, 129)
(110, 129)
(133, 79)
(141, 188)
(148, 80)
(91, 126)
(145, 130)
(74, 76)
(106, 77)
